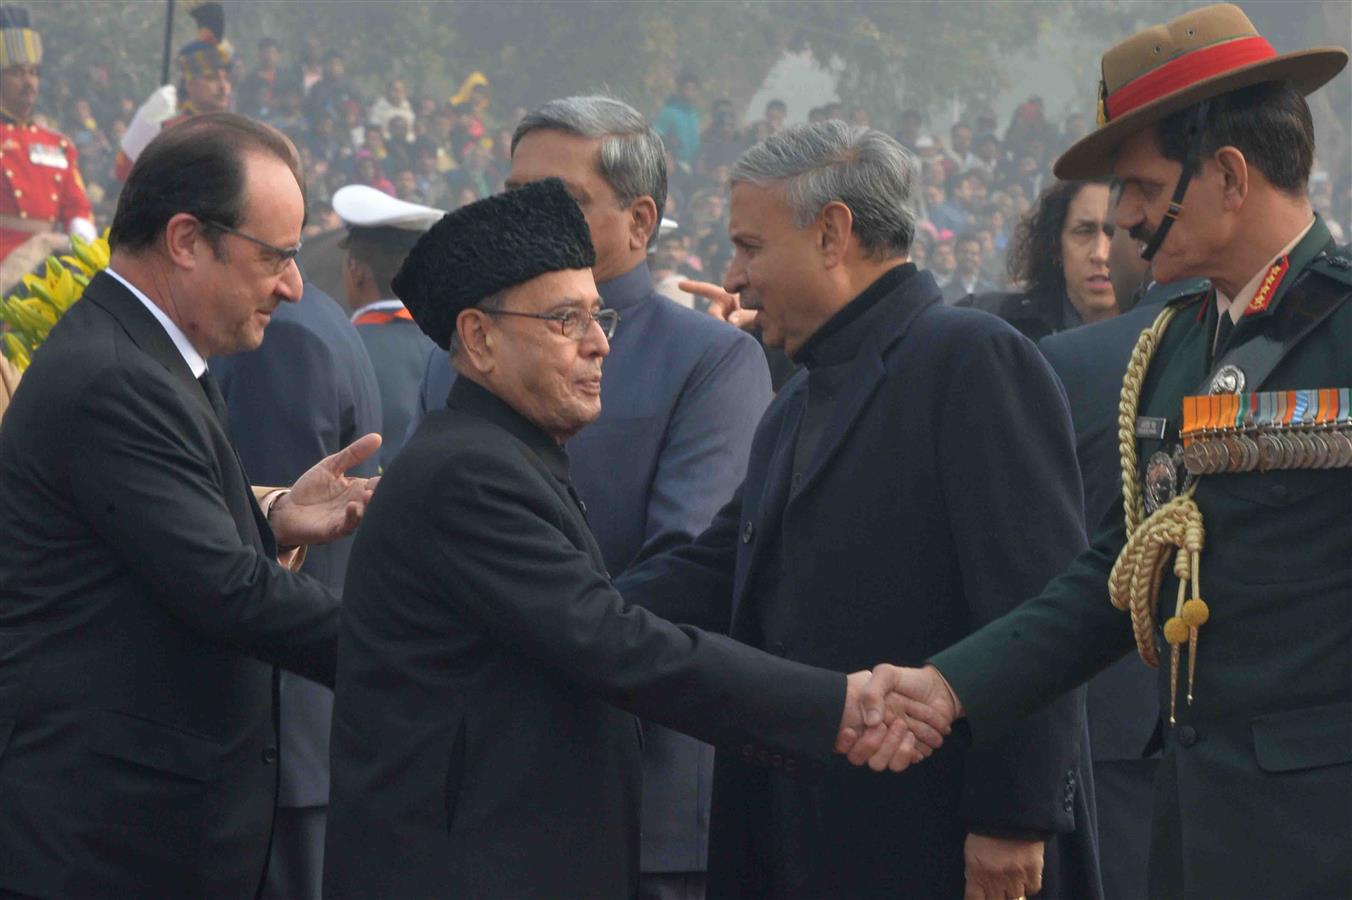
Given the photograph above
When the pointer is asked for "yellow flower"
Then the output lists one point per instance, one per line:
(30, 315)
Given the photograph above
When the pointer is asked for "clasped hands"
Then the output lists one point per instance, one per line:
(895, 717)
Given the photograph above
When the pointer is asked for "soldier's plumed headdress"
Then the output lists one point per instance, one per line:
(489, 246)
(20, 43)
(209, 51)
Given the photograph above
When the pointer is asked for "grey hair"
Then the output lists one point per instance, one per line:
(830, 161)
(633, 161)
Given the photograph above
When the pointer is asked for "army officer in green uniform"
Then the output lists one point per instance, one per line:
(1229, 563)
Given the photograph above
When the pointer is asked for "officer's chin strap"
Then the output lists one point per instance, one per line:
(1189, 164)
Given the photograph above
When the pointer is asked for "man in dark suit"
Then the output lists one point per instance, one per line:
(307, 392)
(144, 609)
(1121, 703)
(681, 399)
(903, 487)
(479, 740)
(1208, 130)
(380, 232)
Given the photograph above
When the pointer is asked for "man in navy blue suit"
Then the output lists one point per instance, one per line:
(681, 397)
(306, 392)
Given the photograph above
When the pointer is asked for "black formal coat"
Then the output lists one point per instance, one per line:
(142, 613)
(480, 743)
(942, 489)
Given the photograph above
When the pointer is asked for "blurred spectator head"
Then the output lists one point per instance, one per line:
(968, 254)
(687, 86)
(399, 130)
(960, 139)
(933, 171)
(987, 148)
(311, 50)
(209, 91)
(834, 110)
(816, 114)
(396, 91)
(406, 186)
(1061, 249)
(859, 116)
(670, 252)
(776, 112)
(942, 260)
(908, 126)
(269, 53)
(614, 162)
(335, 67)
(934, 195)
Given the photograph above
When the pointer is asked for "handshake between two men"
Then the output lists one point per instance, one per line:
(895, 716)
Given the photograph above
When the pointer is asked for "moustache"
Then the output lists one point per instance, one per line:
(1141, 232)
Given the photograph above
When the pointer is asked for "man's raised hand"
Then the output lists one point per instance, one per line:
(324, 504)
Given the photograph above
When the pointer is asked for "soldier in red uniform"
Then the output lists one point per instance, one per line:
(41, 190)
(205, 65)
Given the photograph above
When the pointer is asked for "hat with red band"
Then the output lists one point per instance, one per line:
(1158, 71)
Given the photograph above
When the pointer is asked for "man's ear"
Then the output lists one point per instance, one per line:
(183, 238)
(835, 223)
(1234, 170)
(476, 339)
(643, 222)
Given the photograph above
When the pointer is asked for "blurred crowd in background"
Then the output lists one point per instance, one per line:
(978, 178)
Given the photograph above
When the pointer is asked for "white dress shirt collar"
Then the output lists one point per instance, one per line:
(195, 362)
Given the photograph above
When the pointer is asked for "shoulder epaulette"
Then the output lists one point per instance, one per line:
(1183, 291)
(1335, 264)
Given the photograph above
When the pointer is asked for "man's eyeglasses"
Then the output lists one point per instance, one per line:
(282, 256)
(573, 323)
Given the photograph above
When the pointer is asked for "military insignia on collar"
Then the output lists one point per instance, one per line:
(1263, 298)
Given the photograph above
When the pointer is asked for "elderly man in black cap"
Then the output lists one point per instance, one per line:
(480, 739)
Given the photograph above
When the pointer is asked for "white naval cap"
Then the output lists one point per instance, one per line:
(667, 225)
(360, 206)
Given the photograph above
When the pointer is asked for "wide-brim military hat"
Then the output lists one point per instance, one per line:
(1165, 68)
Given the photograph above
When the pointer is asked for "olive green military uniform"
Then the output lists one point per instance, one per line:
(1254, 794)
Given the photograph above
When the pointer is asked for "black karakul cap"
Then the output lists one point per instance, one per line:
(488, 246)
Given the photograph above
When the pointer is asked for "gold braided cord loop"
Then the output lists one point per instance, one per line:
(1132, 379)
(1134, 582)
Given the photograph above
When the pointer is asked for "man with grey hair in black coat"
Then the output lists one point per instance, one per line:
(912, 481)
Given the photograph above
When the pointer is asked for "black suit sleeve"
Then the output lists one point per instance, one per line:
(1013, 493)
(540, 594)
(147, 479)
